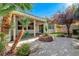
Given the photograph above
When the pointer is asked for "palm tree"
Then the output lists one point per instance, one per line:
(5, 11)
(46, 25)
(25, 22)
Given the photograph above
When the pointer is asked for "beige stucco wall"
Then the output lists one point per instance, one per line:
(64, 29)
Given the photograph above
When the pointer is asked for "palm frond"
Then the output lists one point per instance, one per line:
(6, 10)
(24, 6)
(25, 22)
(7, 7)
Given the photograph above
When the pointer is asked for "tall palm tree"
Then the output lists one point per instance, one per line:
(5, 11)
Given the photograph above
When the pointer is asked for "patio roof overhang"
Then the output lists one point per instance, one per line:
(20, 14)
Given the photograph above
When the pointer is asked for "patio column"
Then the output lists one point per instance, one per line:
(34, 28)
(44, 27)
(14, 29)
(55, 30)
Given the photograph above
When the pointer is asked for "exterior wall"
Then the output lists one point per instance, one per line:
(64, 29)
(58, 28)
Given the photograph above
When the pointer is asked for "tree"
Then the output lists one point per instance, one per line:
(65, 18)
(25, 22)
(5, 11)
(70, 16)
(68, 19)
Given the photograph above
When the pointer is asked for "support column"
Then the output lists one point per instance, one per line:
(44, 27)
(14, 29)
(34, 28)
(55, 30)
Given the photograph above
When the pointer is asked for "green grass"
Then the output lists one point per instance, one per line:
(58, 34)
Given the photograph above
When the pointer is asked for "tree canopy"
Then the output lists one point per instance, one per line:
(8, 7)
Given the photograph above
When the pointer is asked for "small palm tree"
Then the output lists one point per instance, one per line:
(25, 22)
(46, 25)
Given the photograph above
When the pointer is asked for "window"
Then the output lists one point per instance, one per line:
(31, 27)
(50, 26)
(20, 26)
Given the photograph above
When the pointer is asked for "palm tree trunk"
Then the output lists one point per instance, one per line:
(6, 23)
(18, 38)
(5, 28)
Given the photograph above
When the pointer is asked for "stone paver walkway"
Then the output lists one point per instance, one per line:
(58, 47)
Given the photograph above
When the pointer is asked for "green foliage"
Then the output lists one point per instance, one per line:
(59, 34)
(76, 32)
(24, 50)
(27, 34)
(76, 11)
(46, 25)
(24, 6)
(2, 47)
(2, 35)
(8, 7)
(25, 22)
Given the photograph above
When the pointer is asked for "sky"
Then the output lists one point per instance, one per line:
(47, 9)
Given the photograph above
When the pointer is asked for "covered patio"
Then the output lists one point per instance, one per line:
(35, 27)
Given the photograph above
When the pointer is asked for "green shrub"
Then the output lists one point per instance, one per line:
(24, 50)
(76, 32)
(59, 34)
(2, 48)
